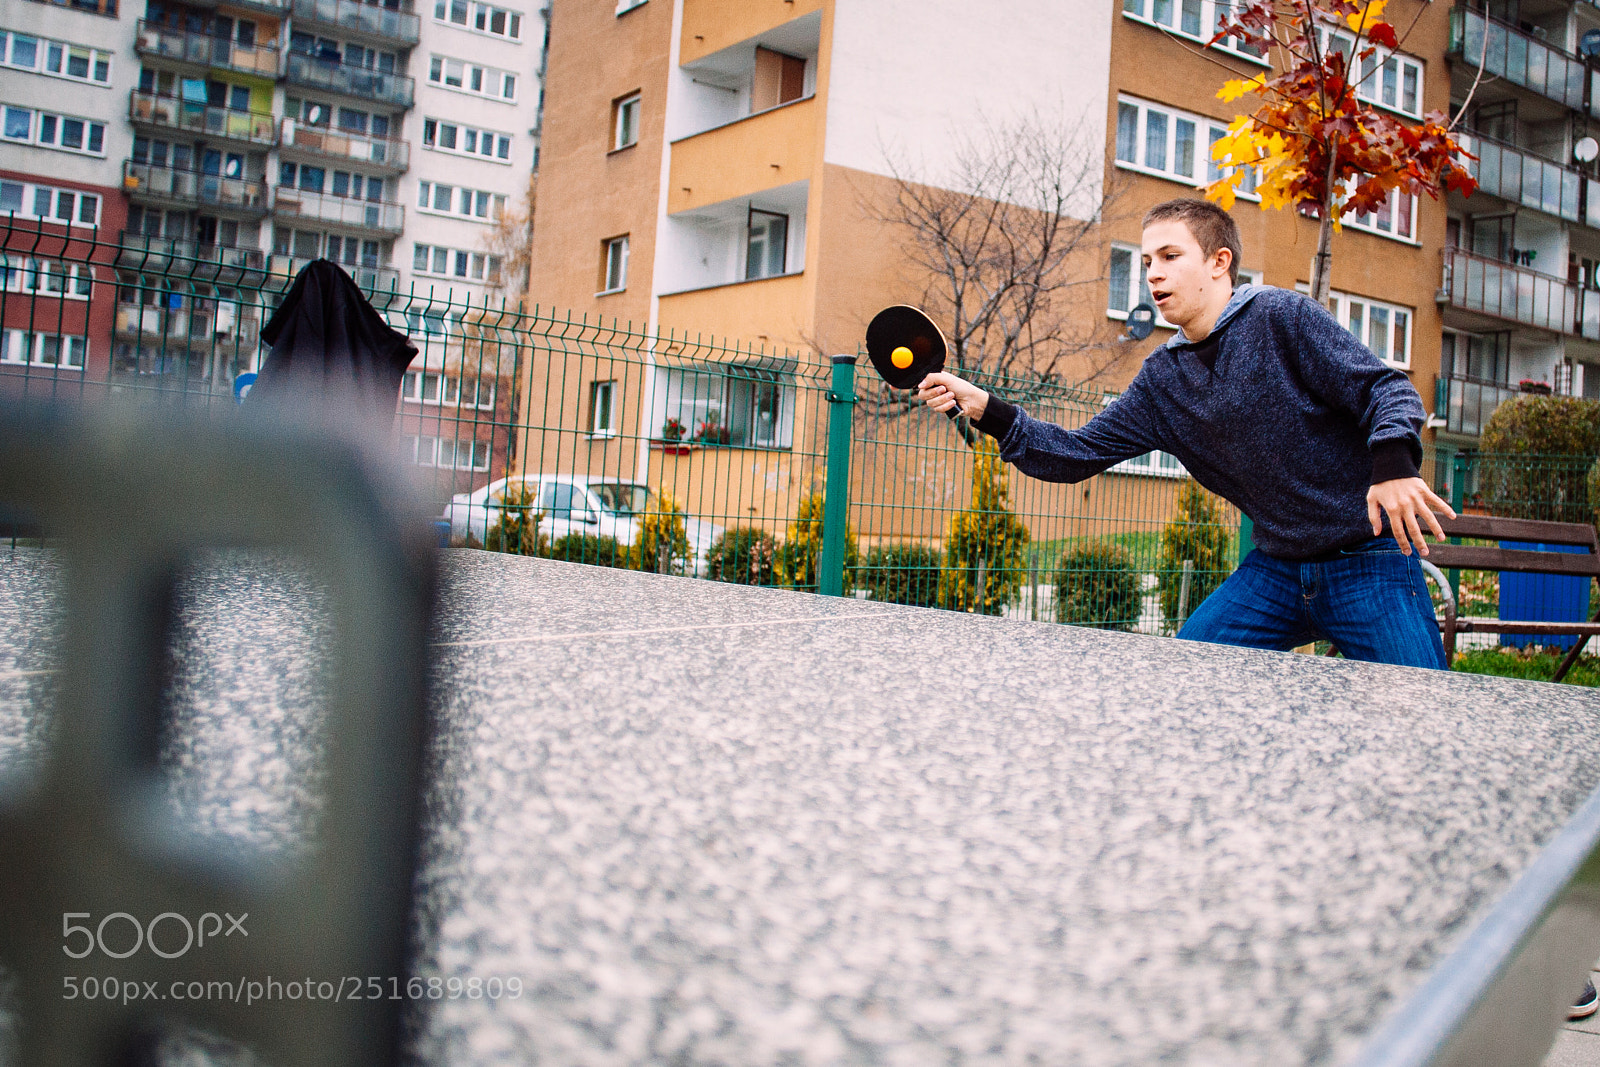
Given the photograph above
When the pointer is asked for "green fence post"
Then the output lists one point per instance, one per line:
(1461, 463)
(1247, 536)
(841, 409)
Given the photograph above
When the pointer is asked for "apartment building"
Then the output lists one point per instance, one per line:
(224, 144)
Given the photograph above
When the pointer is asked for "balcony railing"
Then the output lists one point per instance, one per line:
(378, 151)
(268, 7)
(382, 215)
(1517, 57)
(212, 330)
(1466, 403)
(381, 283)
(1517, 294)
(1524, 178)
(140, 251)
(192, 187)
(396, 89)
(359, 18)
(167, 113)
(204, 50)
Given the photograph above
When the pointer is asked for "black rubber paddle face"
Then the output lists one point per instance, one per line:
(903, 329)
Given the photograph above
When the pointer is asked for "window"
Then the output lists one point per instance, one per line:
(778, 79)
(1397, 218)
(484, 18)
(1158, 464)
(1384, 328)
(450, 454)
(427, 387)
(1387, 79)
(625, 6)
(444, 136)
(751, 407)
(47, 130)
(1172, 144)
(55, 58)
(66, 281)
(437, 198)
(1128, 288)
(767, 248)
(309, 244)
(49, 204)
(1195, 19)
(471, 78)
(455, 263)
(625, 121)
(614, 264)
(65, 351)
(602, 408)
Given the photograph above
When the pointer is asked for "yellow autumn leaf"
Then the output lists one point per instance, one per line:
(1221, 191)
(1234, 88)
(1373, 12)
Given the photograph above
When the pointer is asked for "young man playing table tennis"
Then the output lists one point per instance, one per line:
(1273, 405)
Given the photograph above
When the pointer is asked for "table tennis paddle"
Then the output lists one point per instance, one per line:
(905, 346)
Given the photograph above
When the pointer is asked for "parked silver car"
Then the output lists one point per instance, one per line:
(574, 503)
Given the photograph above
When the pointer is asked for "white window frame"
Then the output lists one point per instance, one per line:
(1206, 11)
(1370, 89)
(692, 395)
(476, 13)
(37, 121)
(625, 121)
(614, 265)
(433, 131)
(446, 388)
(1206, 133)
(426, 451)
(460, 263)
(603, 413)
(1371, 224)
(1343, 303)
(30, 200)
(25, 348)
(492, 80)
(625, 6)
(42, 58)
(25, 274)
(1153, 465)
(494, 203)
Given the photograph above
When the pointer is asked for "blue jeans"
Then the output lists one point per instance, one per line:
(1370, 600)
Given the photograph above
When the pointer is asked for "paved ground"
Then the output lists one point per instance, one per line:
(707, 824)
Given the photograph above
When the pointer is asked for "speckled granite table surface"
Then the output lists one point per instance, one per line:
(707, 824)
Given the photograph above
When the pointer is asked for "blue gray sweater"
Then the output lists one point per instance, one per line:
(1279, 410)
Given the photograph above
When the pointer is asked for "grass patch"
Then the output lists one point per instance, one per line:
(1530, 663)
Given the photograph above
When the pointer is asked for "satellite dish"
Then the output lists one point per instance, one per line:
(1589, 44)
(1141, 320)
(1586, 150)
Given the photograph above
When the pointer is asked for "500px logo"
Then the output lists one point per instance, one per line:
(177, 934)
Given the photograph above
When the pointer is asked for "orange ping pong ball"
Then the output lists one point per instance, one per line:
(901, 357)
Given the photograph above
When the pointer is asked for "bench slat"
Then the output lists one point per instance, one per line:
(1474, 625)
(1483, 558)
(1494, 528)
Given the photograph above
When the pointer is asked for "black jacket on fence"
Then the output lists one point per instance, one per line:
(331, 349)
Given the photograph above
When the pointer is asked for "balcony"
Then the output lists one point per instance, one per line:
(220, 328)
(358, 82)
(382, 216)
(380, 283)
(265, 7)
(186, 259)
(1516, 294)
(188, 188)
(201, 50)
(1524, 178)
(765, 150)
(1466, 403)
(166, 114)
(304, 140)
(399, 27)
(1517, 57)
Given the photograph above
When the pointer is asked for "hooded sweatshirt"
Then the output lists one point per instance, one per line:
(1279, 410)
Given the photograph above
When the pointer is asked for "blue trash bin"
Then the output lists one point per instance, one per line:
(442, 528)
(1542, 598)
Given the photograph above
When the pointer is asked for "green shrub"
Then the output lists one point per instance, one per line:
(801, 552)
(986, 537)
(587, 548)
(1097, 585)
(517, 530)
(1197, 533)
(904, 573)
(1537, 455)
(661, 534)
(744, 555)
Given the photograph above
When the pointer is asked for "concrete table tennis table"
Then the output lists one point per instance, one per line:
(701, 823)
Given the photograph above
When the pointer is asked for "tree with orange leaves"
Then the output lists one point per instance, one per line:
(1312, 144)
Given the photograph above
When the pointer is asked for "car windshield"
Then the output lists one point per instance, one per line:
(511, 490)
(622, 498)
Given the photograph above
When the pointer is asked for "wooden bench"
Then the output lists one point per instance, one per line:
(1493, 558)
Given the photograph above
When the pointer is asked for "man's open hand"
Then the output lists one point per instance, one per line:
(1404, 500)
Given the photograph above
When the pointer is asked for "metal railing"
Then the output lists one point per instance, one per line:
(396, 89)
(1519, 294)
(140, 251)
(205, 50)
(360, 18)
(383, 216)
(1524, 178)
(1466, 403)
(168, 113)
(1518, 57)
(339, 144)
(142, 180)
(380, 283)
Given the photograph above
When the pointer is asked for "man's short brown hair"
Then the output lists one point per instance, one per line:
(1212, 227)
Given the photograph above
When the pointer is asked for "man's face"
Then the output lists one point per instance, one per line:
(1183, 281)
